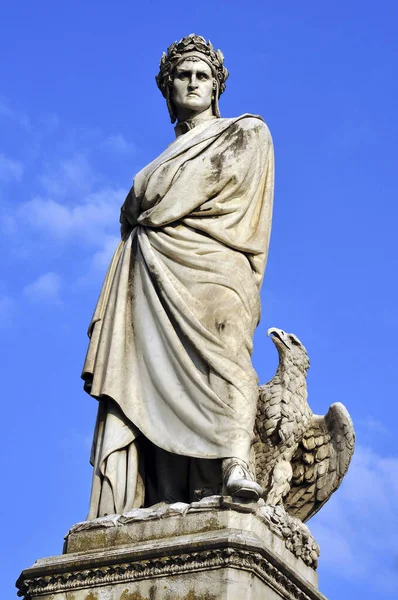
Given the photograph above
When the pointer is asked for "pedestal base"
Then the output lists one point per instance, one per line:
(209, 550)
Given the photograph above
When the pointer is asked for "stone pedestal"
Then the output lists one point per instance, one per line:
(209, 550)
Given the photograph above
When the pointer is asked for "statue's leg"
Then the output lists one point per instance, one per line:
(166, 475)
(205, 478)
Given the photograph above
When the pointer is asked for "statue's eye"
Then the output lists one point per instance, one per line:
(203, 76)
(294, 341)
(183, 75)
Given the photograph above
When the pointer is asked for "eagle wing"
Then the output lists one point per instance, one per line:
(320, 462)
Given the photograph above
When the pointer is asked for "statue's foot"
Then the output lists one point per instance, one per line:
(237, 480)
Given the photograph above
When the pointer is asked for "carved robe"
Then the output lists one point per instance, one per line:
(171, 337)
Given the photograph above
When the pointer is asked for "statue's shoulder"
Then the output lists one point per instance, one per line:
(253, 124)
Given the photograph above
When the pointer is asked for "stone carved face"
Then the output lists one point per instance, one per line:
(192, 88)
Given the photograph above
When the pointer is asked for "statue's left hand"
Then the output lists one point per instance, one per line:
(125, 227)
(128, 214)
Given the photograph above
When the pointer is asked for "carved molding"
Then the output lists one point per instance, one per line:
(174, 565)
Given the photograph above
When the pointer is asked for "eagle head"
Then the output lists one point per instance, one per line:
(290, 348)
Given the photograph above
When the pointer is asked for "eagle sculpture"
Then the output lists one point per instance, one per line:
(301, 458)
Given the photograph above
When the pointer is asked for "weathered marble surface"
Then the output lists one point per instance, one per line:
(216, 511)
(214, 549)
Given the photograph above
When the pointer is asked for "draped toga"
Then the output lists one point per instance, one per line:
(171, 336)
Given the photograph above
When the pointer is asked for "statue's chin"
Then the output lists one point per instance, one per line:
(192, 106)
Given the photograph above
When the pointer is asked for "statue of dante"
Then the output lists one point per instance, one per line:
(170, 348)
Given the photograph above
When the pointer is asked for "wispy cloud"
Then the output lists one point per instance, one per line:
(357, 529)
(375, 426)
(102, 257)
(69, 178)
(73, 200)
(10, 169)
(45, 288)
(118, 144)
(88, 221)
(75, 206)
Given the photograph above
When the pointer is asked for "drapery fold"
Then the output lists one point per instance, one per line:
(171, 337)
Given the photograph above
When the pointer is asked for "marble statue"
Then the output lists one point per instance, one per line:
(170, 347)
(181, 416)
(300, 458)
(202, 478)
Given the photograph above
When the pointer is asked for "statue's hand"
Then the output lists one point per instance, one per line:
(125, 227)
(128, 214)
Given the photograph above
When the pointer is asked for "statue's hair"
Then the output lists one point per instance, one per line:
(192, 47)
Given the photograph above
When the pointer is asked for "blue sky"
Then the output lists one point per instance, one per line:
(80, 114)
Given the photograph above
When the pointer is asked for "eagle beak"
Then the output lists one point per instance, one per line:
(278, 334)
